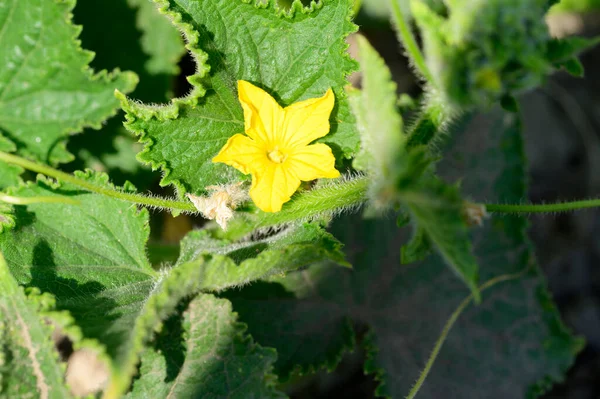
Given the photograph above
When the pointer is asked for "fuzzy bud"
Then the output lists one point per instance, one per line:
(221, 202)
(474, 214)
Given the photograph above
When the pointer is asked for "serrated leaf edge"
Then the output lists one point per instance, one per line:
(333, 246)
(170, 287)
(130, 78)
(136, 110)
(551, 315)
(370, 367)
(270, 379)
(240, 336)
(101, 178)
(44, 305)
(332, 359)
(62, 319)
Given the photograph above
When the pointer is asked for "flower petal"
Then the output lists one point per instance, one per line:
(262, 114)
(272, 187)
(242, 153)
(312, 162)
(308, 120)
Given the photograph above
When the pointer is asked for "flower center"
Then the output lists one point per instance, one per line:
(276, 156)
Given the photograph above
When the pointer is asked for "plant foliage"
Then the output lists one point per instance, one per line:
(244, 312)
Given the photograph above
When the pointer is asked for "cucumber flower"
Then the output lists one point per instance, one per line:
(276, 149)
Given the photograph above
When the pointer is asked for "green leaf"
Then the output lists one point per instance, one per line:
(308, 332)
(563, 53)
(573, 66)
(286, 251)
(417, 249)
(563, 49)
(514, 335)
(92, 258)
(293, 56)
(7, 217)
(47, 92)
(206, 353)
(9, 174)
(379, 124)
(29, 363)
(161, 301)
(197, 271)
(102, 232)
(436, 208)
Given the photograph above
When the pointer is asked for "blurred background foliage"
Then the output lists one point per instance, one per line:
(140, 40)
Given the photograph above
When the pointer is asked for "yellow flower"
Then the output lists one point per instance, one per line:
(277, 150)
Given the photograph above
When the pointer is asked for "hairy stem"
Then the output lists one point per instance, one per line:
(430, 122)
(321, 201)
(450, 323)
(310, 204)
(406, 37)
(434, 115)
(543, 208)
(110, 192)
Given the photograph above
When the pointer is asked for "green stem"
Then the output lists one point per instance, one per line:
(328, 200)
(435, 114)
(408, 40)
(9, 199)
(429, 123)
(65, 177)
(448, 326)
(319, 201)
(543, 208)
